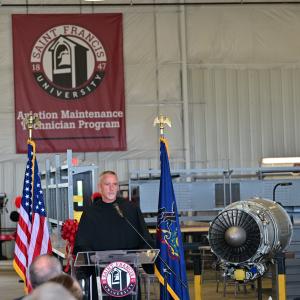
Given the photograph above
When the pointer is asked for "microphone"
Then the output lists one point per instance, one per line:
(118, 209)
(120, 213)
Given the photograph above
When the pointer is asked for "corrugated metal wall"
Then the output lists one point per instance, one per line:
(239, 116)
(243, 66)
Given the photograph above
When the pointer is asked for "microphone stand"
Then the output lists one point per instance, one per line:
(167, 269)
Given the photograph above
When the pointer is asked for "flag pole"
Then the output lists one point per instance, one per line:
(32, 214)
(168, 235)
(163, 121)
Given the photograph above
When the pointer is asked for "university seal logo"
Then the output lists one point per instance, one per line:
(68, 62)
(118, 279)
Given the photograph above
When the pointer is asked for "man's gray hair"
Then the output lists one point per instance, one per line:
(43, 268)
(107, 172)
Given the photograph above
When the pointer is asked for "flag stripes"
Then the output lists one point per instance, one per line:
(32, 237)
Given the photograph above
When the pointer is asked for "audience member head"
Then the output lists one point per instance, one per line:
(43, 268)
(71, 284)
(50, 291)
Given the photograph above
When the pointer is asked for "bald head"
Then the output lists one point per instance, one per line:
(43, 268)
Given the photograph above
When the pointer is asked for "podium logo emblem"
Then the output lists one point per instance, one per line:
(68, 62)
(118, 279)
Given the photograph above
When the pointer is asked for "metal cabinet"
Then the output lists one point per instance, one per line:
(63, 185)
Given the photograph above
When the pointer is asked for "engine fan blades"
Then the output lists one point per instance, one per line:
(234, 235)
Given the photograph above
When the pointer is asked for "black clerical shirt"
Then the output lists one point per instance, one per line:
(102, 228)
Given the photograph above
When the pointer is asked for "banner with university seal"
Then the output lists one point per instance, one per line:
(68, 71)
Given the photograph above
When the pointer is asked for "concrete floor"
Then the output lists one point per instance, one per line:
(11, 288)
(209, 287)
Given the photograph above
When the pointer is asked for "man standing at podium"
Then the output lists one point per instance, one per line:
(105, 225)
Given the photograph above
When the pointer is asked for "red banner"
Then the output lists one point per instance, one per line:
(68, 71)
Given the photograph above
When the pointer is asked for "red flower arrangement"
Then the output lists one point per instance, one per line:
(68, 232)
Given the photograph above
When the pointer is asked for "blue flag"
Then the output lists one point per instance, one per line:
(168, 236)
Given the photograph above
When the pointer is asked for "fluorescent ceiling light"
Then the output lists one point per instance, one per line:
(280, 160)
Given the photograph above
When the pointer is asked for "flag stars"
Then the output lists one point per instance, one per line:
(33, 201)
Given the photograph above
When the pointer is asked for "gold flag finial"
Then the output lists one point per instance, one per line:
(162, 121)
(30, 121)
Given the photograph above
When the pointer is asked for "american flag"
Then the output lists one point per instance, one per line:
(32, 238)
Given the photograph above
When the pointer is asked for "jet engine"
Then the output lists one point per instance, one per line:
(247, 235)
